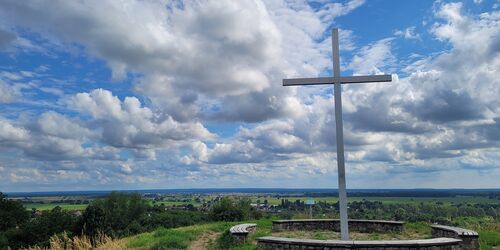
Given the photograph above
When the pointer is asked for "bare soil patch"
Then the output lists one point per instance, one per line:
(203, 241)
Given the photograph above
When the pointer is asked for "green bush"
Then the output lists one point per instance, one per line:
(4, 242)
(12, 213)
(114, 215)
(226, 241)
(228, 210)
(123, 214)
(171, 219)
(38, 230)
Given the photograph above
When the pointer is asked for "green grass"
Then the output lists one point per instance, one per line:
(181, 238)
(419, 230)
(489, 240)
(488, 229)
(50, 206)
(176, 238)
(171, 239)
(418, 227)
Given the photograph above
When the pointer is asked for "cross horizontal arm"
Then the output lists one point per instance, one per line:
(331, 80)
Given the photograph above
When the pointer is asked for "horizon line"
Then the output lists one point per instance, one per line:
(244, 188)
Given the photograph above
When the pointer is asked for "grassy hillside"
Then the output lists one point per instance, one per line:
(204, 236)
(216, 236)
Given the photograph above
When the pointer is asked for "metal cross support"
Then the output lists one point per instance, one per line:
(337, 80)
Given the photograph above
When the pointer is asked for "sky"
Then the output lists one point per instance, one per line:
(109, 94)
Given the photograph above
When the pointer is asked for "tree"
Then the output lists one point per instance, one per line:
(400, 214)
(114, 214)
(12, 213)
(491, 212)
(39, 229)
(93, 220)
(226, 210)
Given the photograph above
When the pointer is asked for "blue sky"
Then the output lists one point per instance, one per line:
(173, 94)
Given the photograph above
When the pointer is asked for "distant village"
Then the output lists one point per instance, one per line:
(191, 202)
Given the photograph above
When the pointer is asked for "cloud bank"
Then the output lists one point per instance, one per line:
(196, 100)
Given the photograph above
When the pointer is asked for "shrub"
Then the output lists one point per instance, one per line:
(12, 213)
(229, 210)
(114, 214)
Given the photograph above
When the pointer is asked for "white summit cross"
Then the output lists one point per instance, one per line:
(336, 80)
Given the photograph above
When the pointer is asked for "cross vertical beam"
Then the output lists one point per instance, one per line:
(337, 80)
(344, 228)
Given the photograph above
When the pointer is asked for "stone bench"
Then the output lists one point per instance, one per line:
(362, 226)
(241, 231)
(291, 243)
(470, 239)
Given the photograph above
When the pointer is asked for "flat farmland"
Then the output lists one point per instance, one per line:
(176, 203)
(277, 201)
(49, 206)
(72, 207)
(386, 200)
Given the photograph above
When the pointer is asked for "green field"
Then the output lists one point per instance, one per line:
(67, 206)
(176, 203)
(276, 201)
(49, 206)
(387, 200)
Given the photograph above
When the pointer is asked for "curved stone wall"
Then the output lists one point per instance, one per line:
(240, 232)
(363, 226)
(290, 243)
(445, 237)
(470, 239)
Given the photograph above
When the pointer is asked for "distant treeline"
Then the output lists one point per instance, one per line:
(288, 191)
(409, 193)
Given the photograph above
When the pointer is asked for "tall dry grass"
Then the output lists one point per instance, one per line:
(82, 242)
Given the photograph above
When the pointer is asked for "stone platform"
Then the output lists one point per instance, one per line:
(469, 239)
(290, 243)
(445, 238)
